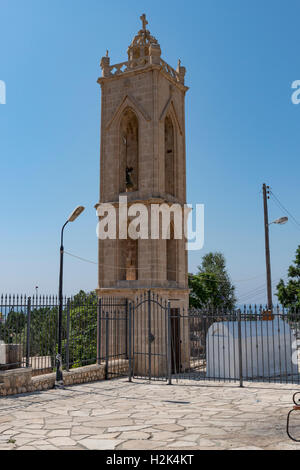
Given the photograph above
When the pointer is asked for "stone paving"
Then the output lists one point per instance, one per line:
(118, 415)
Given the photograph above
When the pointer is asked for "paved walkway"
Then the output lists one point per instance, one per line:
(119, 415)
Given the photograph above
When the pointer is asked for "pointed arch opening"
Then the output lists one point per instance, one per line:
(129, 152)
(171, 255)
(128, 260)
(169, 157)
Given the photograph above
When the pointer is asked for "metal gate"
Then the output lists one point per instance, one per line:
(149, 334)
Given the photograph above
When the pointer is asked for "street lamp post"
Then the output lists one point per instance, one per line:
(281, 221)
(59, 374)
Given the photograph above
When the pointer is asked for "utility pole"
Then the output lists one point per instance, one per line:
(266, 192)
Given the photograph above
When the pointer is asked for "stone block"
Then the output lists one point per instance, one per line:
(10, 356)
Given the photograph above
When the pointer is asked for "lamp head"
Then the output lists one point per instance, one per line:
(76, 213)
(281, 221)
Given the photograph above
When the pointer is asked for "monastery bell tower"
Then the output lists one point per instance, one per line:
(143, 158)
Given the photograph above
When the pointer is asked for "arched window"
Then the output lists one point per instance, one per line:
(128, 260)
(129, 150)
(169, 157)
(171, 255)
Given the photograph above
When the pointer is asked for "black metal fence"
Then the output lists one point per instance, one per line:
(93, 331)
(151, 339)
(254, 344)
(29, 331)
(113, 336)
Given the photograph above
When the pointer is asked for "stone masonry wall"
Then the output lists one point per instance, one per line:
(18, 381)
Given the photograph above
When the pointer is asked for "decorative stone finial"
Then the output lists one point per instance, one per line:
(144, 21)
(181, 72)
(154, 53)
(105, 65)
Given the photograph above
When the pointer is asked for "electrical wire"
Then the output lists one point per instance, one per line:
(258, 291)
(80, 258)
(147, 268)
(282, 207)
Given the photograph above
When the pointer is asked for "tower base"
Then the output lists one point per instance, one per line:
(150, 327)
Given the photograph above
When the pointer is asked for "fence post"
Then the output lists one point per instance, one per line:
(68, 337)
(126, 329)
(106, 344)
(28, 332)
(129, 344)
(169, 349)
(240, 349)
(99, 332)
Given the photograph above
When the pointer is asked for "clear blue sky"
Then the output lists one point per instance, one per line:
(242, 129)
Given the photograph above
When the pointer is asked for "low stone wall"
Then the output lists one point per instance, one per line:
(15, 381)
(18, 381)
(42, 372)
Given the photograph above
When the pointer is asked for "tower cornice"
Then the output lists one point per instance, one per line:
(130, 73)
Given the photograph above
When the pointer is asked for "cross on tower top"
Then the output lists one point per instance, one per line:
(144, 21)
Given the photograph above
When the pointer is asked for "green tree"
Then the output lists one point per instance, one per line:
(289, 294)
(211, 286)
(11, 329)
(83, 330)
(84, 298)
(43, 332)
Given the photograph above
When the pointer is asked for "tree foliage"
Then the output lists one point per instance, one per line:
(289, 293)
(83, 330)
(43, 334)
(13, 326)
(211, 286)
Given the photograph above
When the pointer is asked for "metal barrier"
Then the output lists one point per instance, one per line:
(113, 336)
(31, 325)
(150, 339)
(237, 347)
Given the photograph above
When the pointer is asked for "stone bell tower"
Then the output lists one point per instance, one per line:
(143, 157)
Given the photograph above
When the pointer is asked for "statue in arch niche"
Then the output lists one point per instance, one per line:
(129, 183)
